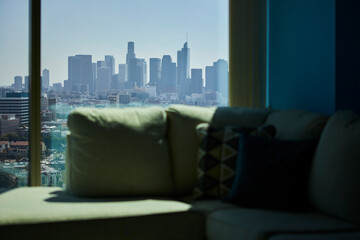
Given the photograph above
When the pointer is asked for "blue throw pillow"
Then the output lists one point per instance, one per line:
(272, 173)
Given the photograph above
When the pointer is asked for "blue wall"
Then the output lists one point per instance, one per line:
(301, 70)
(347, 55)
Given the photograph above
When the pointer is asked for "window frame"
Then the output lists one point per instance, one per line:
(247, 66)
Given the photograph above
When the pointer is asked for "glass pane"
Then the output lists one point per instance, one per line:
(124, 54)
(14, 97)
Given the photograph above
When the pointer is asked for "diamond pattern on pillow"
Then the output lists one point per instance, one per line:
(217, 158)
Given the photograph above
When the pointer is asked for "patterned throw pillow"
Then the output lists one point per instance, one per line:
(217, 158)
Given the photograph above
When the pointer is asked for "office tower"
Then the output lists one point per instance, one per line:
(115, 82)
(103, 79)
(45, 79)
(57, 87)
(110, 63)
(94, 74)
(168, 75)
(123, 73)
(155, 72)
(222, 75)
(26, 83)
(8, 124)
(80, 72)
(18, 82)
(196, 81)
(137, 73)
(210, 79)
(100, 64)
(16, 103)
(183, 61)
(130, 52)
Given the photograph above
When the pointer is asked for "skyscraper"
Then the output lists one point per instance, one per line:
(110, 63)
(183, 61)
(222, 75)
(196, 81)
(26, 83)
(137, 73)
(168, 75)
(103, 79)
(123, 75)
(18, 82)
(94, 75)
(45, 79)
(16, 103)
(155, 72)
(216, 77)
(80, 71)
(210, 79)
(130, 52)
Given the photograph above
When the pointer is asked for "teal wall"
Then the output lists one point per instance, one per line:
(301, 55)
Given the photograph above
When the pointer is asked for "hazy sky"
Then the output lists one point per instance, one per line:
(70, 27)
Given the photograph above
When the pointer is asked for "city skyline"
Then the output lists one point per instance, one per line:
(105, 29)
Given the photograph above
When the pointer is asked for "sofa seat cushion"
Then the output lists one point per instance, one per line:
(335, 175)
(207, 206)
(49, 213)
(258, 224)
(319, 236)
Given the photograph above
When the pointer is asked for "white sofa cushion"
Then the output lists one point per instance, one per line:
(258, 224)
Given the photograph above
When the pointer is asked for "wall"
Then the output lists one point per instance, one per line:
(347, 55)
(301, 57)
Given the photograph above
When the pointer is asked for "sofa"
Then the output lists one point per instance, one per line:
(130, 174)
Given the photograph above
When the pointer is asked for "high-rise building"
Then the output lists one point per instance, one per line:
(16, 103)
(103, 79)
(57, 87)
(210, 79)
(130, 52)
(183, 64)
(100, 64)
(168, 75)
(18, 82)
(196, 81)
(222, 75)
(115, 82)
(110, 63)
(155, 71)
(45, 79)
(26, 83)
(80, 71)
(137, 73)
(94, 74)
(216, 77)
(123, 73)
(8, 124)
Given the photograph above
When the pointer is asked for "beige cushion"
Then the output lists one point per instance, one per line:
(118, 152)
(49, 213)
(258, 224)
(294, 124)
(184, 143)
(335, 176)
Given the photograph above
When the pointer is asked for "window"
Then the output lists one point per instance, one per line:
(14, 96)
(122, 54)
